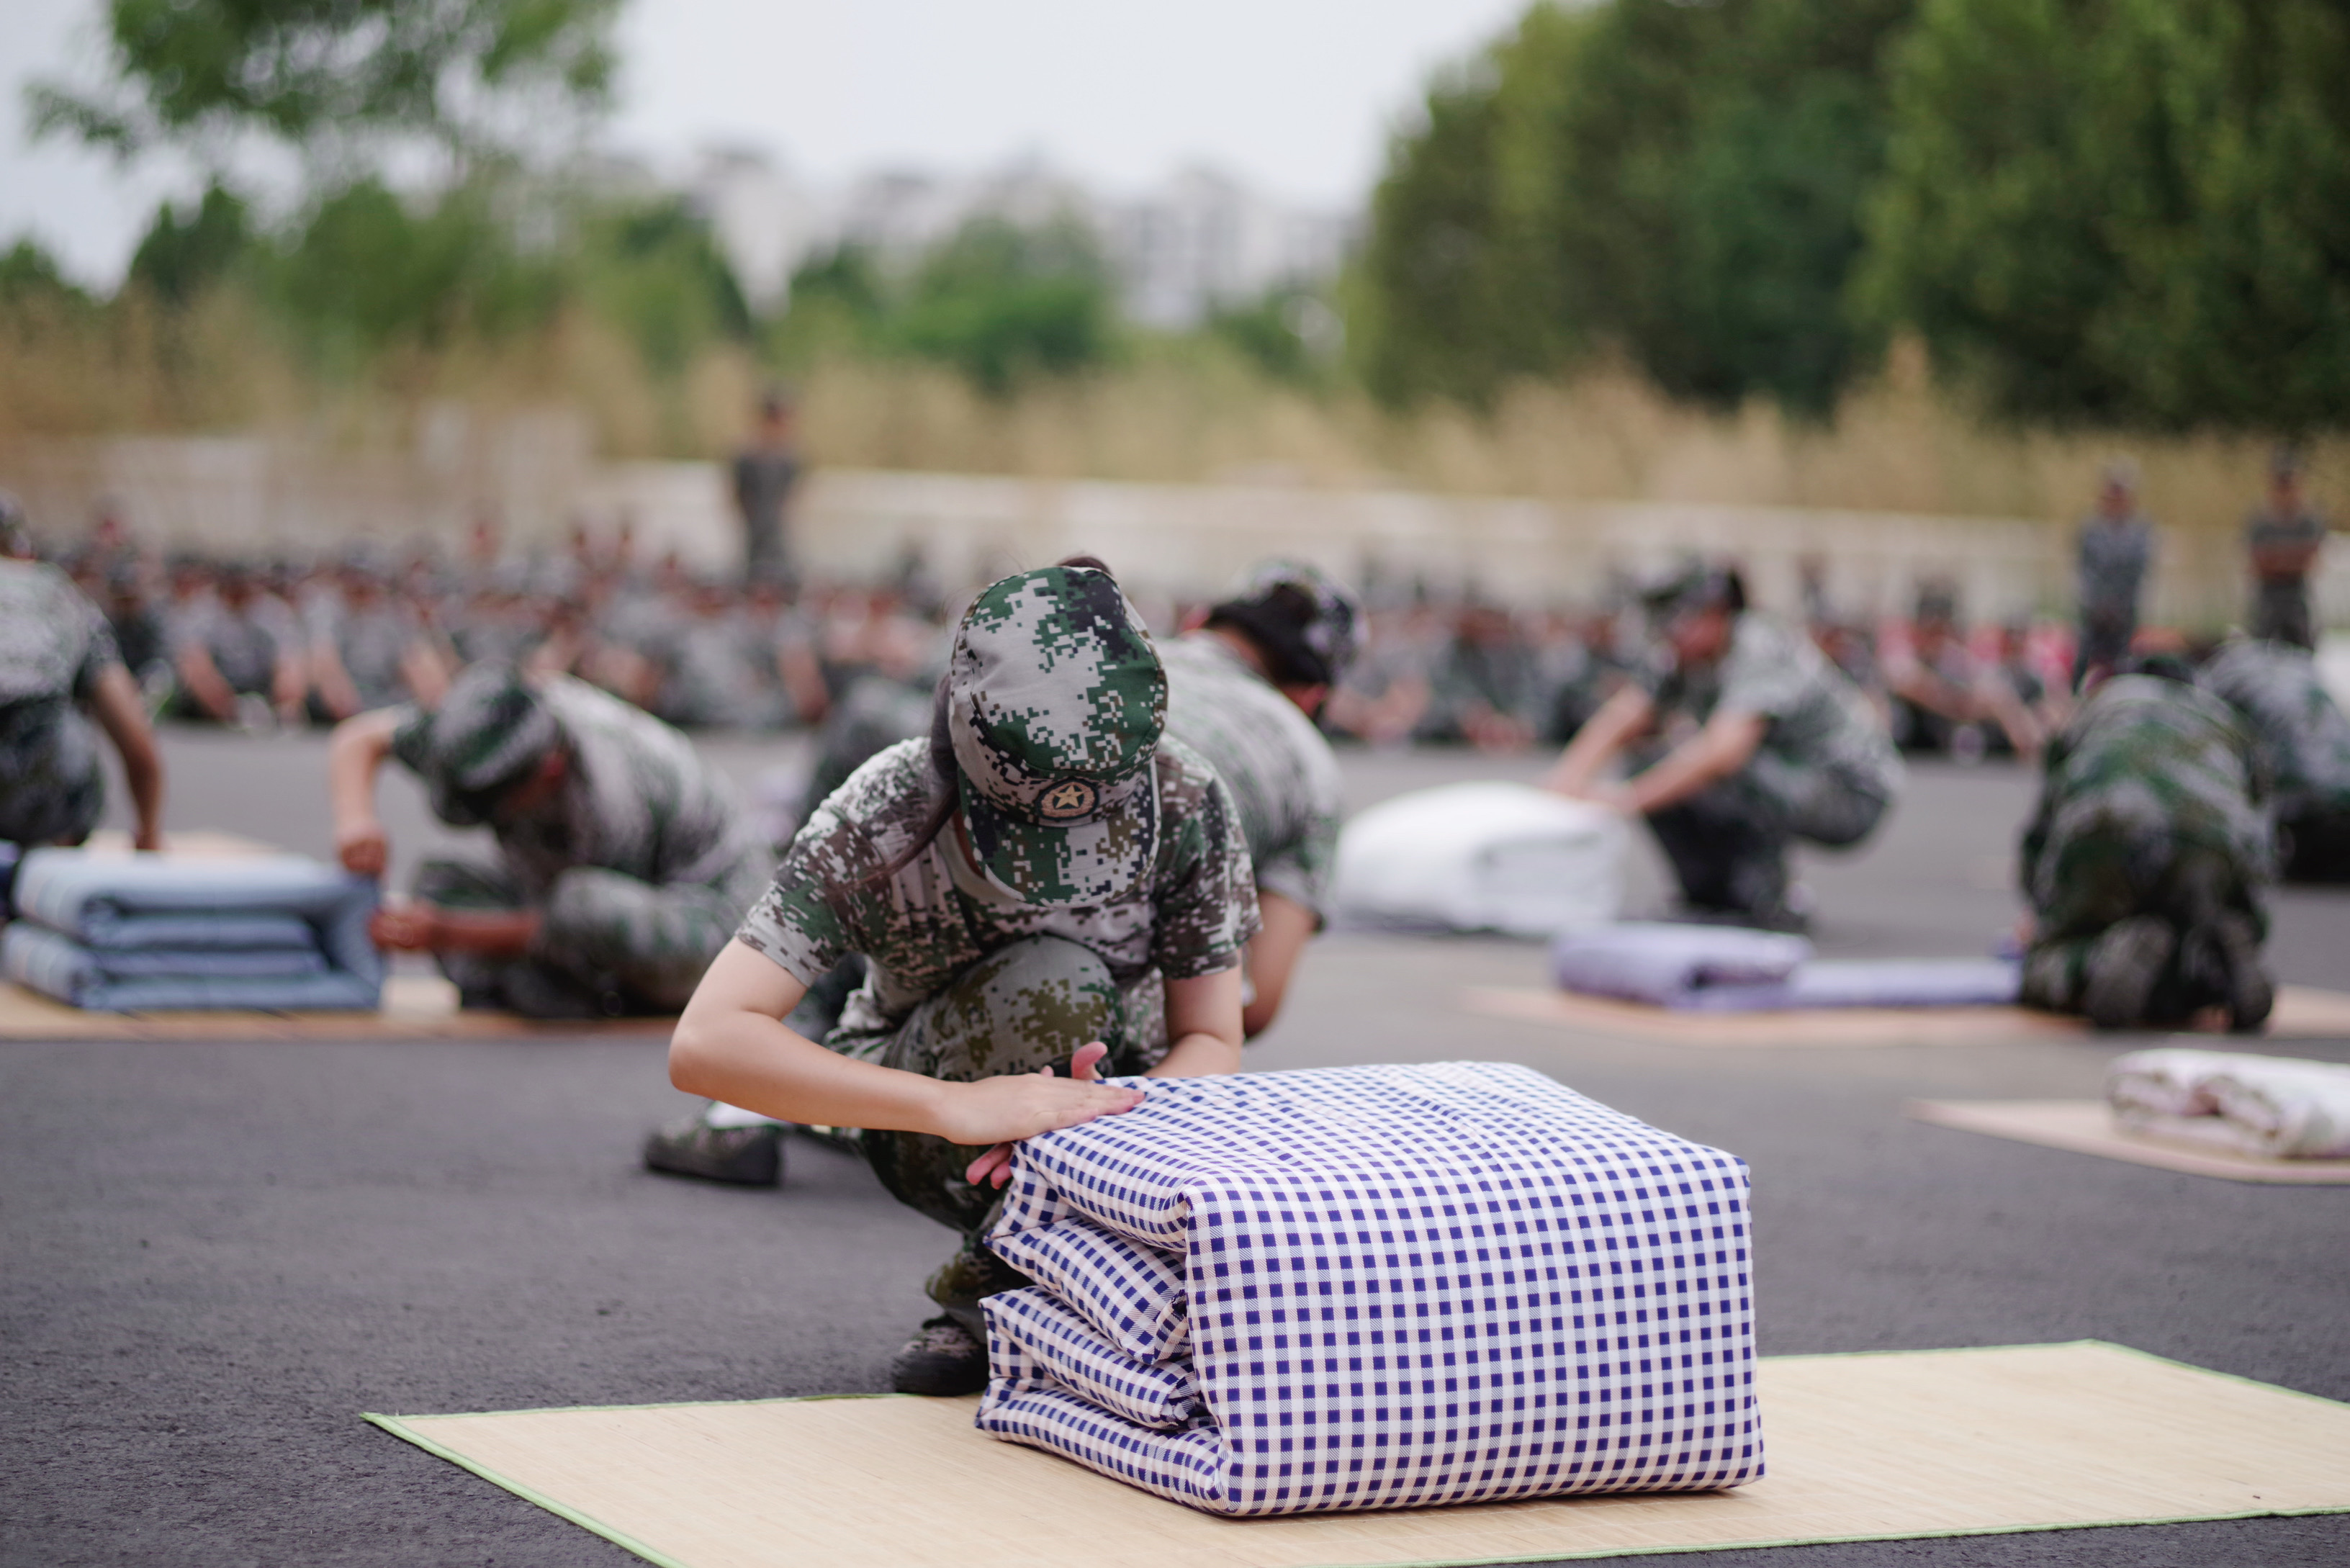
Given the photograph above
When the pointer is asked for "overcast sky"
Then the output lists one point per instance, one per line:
(1297, 96)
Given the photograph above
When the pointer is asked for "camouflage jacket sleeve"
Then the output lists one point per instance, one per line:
(802, 922)
(1203, 888)
(412, 739)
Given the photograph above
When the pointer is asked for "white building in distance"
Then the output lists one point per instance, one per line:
(1199, 240)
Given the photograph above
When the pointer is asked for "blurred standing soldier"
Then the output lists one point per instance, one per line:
(2144, 859)
(2285, 537)
(1768, 744)
(764, 472)
(623, 860)
(57, 663)
(239, 655)
(2115, 547)
(2302, 741)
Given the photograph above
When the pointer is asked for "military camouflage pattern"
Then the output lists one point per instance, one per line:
(2302, 737)
(875, 712)
(2151, 803)
(2113, 557)
(1820, 737)
(640, 866)
(1055, 702)
(1284, 781)
(490, 729)
(54, 646)
(1189, 914)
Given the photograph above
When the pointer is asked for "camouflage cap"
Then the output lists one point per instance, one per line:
(1308, 622)
(488, 732)
(1055, 700)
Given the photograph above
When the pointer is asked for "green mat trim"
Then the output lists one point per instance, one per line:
(398, 1428)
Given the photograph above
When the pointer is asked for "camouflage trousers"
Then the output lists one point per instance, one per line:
(2102, 879)
(608, 945)
(1028, 1004)
(1728, 843)
(52, 788)
(2280, 613)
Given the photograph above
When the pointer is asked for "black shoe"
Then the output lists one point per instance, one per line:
(941, 1360)
(2123, 966)
(747, 1156)
(2250, 994)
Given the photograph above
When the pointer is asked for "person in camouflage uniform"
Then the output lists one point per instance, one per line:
(2283, 539)
(1047, 882)
(624, 860)
(1242, 690)
(2144, 859)
(2115, 549)
(2303, 741)
(57, 664)
(1759, 742)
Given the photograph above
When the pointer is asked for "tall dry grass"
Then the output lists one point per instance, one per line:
(1900, 443)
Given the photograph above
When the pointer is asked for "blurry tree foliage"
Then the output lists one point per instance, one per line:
(180, 257)
(467, 73)
(2126, 212)
(1677, 185)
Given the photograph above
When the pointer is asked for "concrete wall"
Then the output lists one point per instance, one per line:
(537, 474)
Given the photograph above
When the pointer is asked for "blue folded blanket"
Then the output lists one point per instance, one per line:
(1725, 969)
(138, 933)
(59, 966)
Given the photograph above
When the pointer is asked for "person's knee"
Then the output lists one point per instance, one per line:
(1029, 1003)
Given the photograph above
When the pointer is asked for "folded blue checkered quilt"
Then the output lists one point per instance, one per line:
(135, 933)
(1377, 1287)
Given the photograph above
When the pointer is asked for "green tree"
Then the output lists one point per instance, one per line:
(466, 73)
(368, 271)
(2131, 211)
(180, 257)
(1003, 304)
(655, 271)
(30, 277)
(1678, 183)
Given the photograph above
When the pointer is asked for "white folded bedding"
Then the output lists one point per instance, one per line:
(2282, 1107)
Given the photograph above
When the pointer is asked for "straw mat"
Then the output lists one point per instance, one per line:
(2301, 1013)
(2087, 1126)
(1860, 1447)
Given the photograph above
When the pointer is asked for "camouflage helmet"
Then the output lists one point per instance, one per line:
(1308, 626)
(1055, 702)
(489, 731)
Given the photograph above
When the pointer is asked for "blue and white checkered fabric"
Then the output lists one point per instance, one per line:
(1046, 1345)
(1132, 1293)
(1404, 1285)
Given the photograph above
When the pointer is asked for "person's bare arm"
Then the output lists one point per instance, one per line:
(288, 686)
(204, 681)
(354, 754)
(1203, 1020)
(121, 712)
(1726, 743)
(803, 677)
(1272, 958)
(1605, 733)
(732, 1045)
(332, 679)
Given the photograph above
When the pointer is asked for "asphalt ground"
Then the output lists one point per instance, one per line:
(213, 1257)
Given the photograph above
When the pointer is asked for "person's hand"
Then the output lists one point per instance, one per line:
(149, 838)
(1080, 1097)
(1615, 797)
(405, 926)
(363, 848)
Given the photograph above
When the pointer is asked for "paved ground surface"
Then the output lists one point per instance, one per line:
(213, 1257)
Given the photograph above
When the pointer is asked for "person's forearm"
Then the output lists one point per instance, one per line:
(205, 683)
(1713, 753)
(758, 1063)
(1272, 956)
(288, 688)
(122, 714)
(1201, 1055)
(354, 754)
(1595, 745)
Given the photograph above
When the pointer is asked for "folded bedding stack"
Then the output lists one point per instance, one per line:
(140, 933)
(1729, 968)
(1377, 1287)
(1481, 856)
(2281, 1107)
